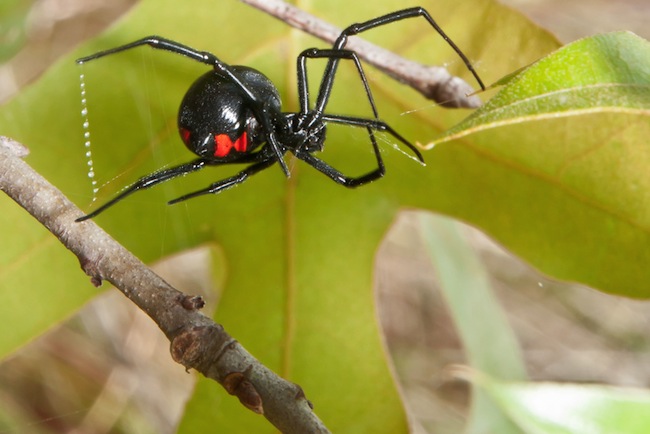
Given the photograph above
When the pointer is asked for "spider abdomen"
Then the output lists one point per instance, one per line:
(215, 119)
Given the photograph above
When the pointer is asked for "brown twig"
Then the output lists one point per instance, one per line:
(434, 82)
(196, 341)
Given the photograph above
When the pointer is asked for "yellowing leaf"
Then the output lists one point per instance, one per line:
(563, 153)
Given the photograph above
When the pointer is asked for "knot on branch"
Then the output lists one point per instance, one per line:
(194, 347)
(238, 384)
(191, 302)
(91, 269)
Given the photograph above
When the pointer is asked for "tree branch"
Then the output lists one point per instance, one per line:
(196, 341)
(434, 82)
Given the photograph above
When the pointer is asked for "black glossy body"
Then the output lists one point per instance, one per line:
(232, 114)
(213, 107)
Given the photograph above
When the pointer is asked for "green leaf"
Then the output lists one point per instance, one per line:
(299, 252)
(548, 408)
(603, 73)
(478, 317)
(567, 140)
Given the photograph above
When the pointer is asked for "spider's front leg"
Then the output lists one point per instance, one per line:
(336, 175)
(374, 125)
(392, 17)
(326, 90)
(328, 78)
(371, 125)
(340, 178)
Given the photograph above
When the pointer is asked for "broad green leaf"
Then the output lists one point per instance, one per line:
(299, 252)
(602, 73)
(568, 136)
(552, 408)
(487, 338)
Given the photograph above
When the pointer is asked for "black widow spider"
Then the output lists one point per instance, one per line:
(230, 111)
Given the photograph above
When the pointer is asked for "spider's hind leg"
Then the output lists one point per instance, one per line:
(230, 182)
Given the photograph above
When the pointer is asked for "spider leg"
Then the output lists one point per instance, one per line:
(232, 181)
(392, 17)
(326, 85)
(328, 77)
(340, 178)
(259, 107)
(354, 29)
(373, 125)
(149, 181)
(165, 44)
(278, 150)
